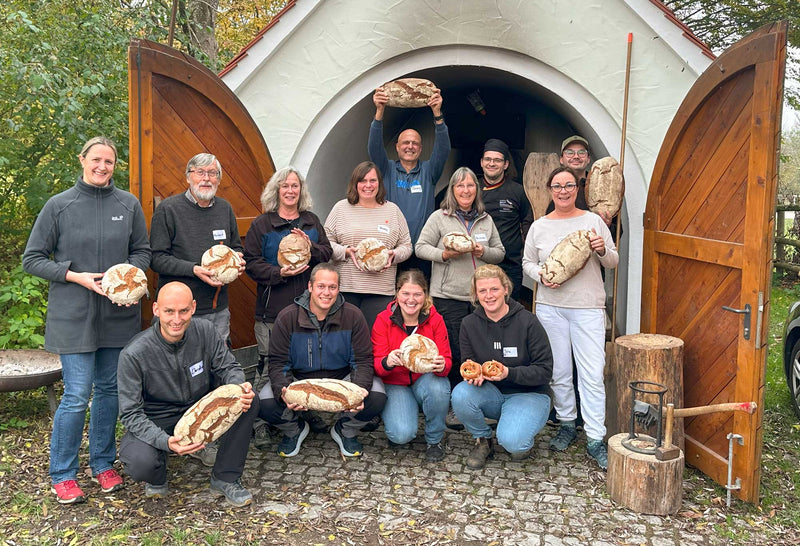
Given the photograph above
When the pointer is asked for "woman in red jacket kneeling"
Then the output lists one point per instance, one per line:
(412, 312)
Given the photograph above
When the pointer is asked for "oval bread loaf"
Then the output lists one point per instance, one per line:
(409, 92)
(294, 251)
(418, 353)
(211, 416)
(458, 241)
(124, 284)
(324, 394)
(223, 261)
(372, 254)
(568, 257)
(605, 187)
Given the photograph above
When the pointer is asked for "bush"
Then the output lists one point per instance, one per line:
(23, 306)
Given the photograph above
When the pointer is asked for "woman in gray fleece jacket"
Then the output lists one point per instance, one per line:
(79, 234)
(461, 211)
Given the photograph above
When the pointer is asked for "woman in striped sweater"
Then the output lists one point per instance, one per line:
(366, 213)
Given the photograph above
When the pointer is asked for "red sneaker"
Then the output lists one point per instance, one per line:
(68, 492)
(109, 480)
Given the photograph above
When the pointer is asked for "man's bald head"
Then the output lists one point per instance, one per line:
(174, 308)
(409, 147)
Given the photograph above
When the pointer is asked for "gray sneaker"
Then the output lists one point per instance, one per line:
(597, 450)
(235, 493)
(566, 435)
(207, 455)
(154, 491)
(452, 422)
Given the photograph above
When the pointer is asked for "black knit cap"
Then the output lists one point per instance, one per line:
(497, 145)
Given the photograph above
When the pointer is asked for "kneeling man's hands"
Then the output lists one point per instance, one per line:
(184, 450)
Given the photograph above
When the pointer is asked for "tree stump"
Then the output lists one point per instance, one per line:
(643, 357)
(641, 482)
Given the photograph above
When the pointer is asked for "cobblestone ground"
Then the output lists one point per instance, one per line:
(392, 496)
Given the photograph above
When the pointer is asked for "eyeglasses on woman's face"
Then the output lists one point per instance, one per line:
(569, 187)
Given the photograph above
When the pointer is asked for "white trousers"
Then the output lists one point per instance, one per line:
(578, 332)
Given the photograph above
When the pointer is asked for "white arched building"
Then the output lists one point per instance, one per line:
(544, 69)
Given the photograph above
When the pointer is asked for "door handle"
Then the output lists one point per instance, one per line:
(746, 312)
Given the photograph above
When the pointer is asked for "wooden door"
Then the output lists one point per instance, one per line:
(178, 108)
(708, 231)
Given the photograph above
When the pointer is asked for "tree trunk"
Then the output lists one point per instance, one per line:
(202, 16)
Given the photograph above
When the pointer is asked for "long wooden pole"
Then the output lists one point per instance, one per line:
(622, 168)
(172, 22)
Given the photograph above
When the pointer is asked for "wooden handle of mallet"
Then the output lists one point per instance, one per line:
(667, 450)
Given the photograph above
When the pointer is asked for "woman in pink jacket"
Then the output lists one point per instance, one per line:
(412, 312)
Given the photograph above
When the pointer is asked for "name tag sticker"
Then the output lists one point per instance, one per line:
(383, 228)
(510, 352)
(416, 188)
(196, 369)
(481, 237)
(219, 234)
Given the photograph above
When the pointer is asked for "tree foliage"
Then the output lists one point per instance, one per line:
(721, 23)
(789, 186)
(239, 21)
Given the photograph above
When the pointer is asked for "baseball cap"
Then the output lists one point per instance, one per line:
(574, 138)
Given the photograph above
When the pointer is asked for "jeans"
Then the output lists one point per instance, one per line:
(401, 413)
(520, 416)
(82, 373)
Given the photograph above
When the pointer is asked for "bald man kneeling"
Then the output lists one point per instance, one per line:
(162, 372)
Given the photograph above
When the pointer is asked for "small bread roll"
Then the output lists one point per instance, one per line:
(294, 251)
(211, 416)
(223, 261)
(324, 394)
(492, 368)
(124, 284)
(470, 370)
(418, 353)
(372, 254)
(458, 241)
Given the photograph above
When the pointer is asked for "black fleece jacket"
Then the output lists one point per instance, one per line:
(517, 340)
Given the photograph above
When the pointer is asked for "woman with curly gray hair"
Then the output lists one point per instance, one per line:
(287, 203)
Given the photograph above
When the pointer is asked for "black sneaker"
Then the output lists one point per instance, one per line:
(372, 424)
(290, 445)
(565, 437)
(349, 447)
(434, 452)
(317, 423)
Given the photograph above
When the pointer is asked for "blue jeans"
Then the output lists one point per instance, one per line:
(82, 373)
(401, 413)
(520, 416)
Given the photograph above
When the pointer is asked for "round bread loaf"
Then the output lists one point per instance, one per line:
(294, 251)
(470, 370)
(211, 416)
(372, 254)
(409, 92)
(418, 353)
(458, 241)
(605, 187)
(124, 284)
(223, 261)
(492, 368)
(324, 394)
(568, 257)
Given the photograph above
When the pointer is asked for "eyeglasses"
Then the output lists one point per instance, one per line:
(493, 160)
(213, 175)
(558, 187)
(573, 153)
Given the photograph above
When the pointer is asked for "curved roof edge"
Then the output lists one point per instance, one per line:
(675, 33)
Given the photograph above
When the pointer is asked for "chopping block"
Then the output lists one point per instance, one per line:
(641, 482)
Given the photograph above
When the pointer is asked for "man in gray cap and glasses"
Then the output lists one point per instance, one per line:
(507, 204)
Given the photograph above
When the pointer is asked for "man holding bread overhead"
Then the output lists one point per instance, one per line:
(163, 371)
(410, 183)
(319, 337)
(184, 227)
(507, 204)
